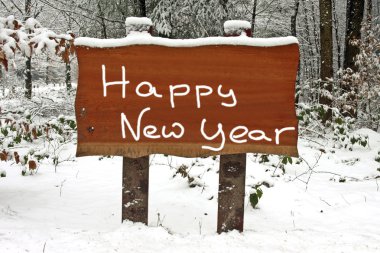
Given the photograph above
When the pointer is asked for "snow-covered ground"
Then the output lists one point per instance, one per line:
(330, 203)
(78, 208)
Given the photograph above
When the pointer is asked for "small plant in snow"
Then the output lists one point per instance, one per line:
(19, 129)
(183, 171)
(343, 138)
(264, 158)
(377, 158)
(255, 195)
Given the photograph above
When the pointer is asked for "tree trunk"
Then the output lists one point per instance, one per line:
(28, 63)
(369, 11)
(293, 19)
(293, 28)
(355, 12)
(254, 16)
(142, 8)
(28, 77)
(224, 4)
(47, 74)
(28, 7)
(2, 81)
(337, 40)
(68, 75)
(327, 71)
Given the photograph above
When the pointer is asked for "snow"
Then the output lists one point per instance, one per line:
(138, 21)
(137, 24)
(147, 39)
(31, 24)
(78, 208)
(234, 24)
(42, 39)
(9, 43)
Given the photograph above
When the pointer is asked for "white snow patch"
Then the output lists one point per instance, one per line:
(147, 39)
(236, 24)
(31, 24)
(138, 21)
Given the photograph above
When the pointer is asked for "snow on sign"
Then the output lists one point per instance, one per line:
(142, 95)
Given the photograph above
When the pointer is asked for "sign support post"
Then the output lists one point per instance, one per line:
(135, 185)
(135, 189)
(231, 192)
(232, 170)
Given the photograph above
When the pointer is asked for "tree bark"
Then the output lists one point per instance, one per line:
(293, 19)
(254, 16)
(47, 74)
(28, 63)
(327, 70)
(316, 38)
(142, 8)
(28, 77)
(68, 75)
(355, 12)
(2, 81)
(293, 28)
(28, 7)
(369, 12)
(337, 40)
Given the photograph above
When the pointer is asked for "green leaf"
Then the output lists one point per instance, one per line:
(4, 131)
(339, 121)
(253, 199)
(259, 193)
(17, 139)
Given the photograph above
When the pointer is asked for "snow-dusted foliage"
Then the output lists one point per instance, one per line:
(12, 38)
(367, 78)
(31, 38)
(190, 18)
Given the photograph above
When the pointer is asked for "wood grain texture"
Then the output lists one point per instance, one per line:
(263, 79)
(231, 192)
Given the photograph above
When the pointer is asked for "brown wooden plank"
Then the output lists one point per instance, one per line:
(231, 192)
(262, 78)
(135, 189)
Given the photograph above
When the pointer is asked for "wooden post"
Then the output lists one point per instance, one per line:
(232, 170)
(135, 189)
(231, 192)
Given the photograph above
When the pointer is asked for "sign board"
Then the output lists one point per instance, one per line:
(191, 98)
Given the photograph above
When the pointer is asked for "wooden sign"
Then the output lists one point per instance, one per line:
(186, 99)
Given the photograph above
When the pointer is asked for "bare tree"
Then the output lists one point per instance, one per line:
(327, 70)
(337, 39)
(355, 12)
(293, 19)
(142, 8)
(354, 18)
(28, 63)
(253, 16)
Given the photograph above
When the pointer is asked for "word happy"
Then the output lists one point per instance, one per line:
(239, 134)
